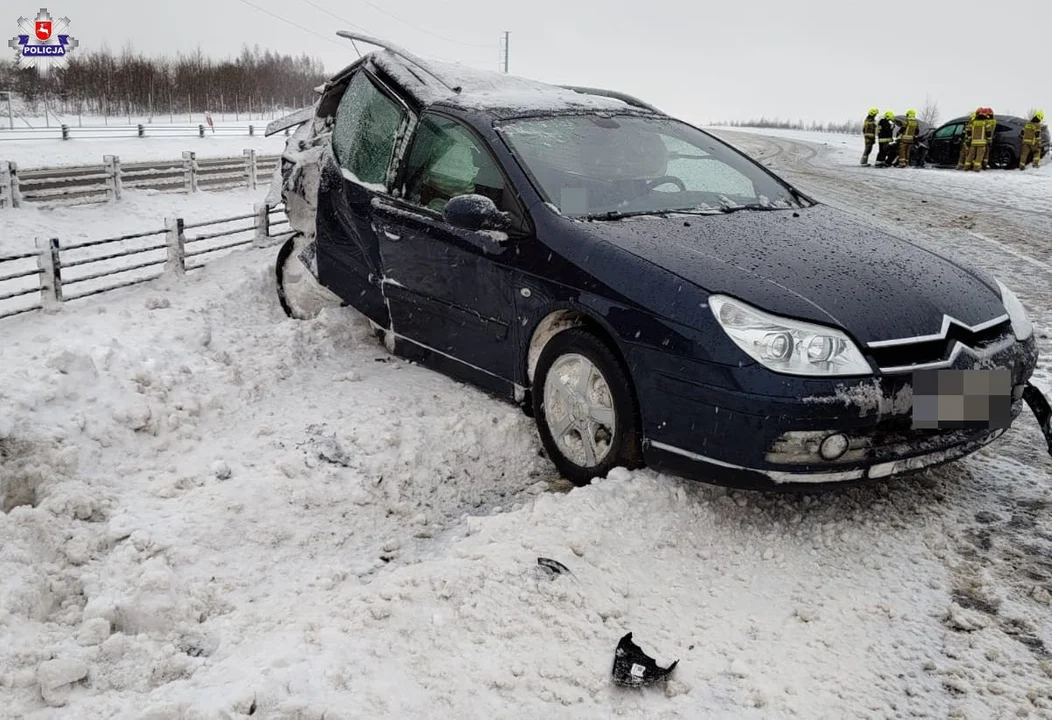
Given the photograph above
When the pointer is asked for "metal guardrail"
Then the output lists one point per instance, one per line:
(104, 183)
(57, 273)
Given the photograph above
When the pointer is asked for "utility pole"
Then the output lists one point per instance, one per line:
(504, 49)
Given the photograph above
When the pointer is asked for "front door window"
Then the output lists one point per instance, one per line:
(446, 161)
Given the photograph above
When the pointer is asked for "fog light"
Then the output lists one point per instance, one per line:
(833, 447)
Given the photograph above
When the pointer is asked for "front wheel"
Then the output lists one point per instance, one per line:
(585, 409)
(300, 294)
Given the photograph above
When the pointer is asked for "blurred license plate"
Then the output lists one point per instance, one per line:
(962, 399)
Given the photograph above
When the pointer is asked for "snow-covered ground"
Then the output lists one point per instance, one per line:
(213, 511)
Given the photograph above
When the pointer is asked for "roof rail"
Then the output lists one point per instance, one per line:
(404, 54)
(612, 94)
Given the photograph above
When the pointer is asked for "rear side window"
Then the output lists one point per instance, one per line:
(367, 123)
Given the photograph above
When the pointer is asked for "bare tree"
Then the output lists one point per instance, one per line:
(930, 112)
(102, 82)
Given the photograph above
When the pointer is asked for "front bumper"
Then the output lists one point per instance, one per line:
(683, 462)
(727, 436)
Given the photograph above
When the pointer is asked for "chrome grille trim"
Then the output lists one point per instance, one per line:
(941, 335)
(958, 348)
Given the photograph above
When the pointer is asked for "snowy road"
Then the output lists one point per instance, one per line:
(212, 511)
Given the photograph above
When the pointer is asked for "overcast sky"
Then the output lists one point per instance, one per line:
(800, 59)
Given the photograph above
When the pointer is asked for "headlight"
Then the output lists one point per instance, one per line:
(1021, 325)
(788, 346)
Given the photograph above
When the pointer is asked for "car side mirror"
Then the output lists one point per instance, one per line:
(475, 212)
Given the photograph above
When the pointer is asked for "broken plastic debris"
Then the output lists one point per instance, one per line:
(1042, 411)
(634, 668)
(553, 567)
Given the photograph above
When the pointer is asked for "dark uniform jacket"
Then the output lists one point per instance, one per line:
(885, 129)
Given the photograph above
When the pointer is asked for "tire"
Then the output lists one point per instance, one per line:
(615, 435)
(279, 273)
(1003, 158)
(300, 294)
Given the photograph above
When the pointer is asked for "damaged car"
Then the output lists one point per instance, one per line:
(649, 294)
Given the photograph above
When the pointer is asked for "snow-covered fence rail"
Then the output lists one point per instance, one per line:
(58, 272)
(104, 183)
(142, 130)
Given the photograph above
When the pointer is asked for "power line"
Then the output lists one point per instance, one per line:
(330, 13)
(293, 24)
(420, 29)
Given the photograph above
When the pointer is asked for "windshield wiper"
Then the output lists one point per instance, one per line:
(618, 214)
(729, 208)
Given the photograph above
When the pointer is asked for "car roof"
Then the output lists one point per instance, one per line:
(500, 95)
(1007, 119)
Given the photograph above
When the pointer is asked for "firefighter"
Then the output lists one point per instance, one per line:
(991, 131)
(966, 141)
(1032, 141)
(906, 138)
(978, 145)
(869, 134)
(885, 129)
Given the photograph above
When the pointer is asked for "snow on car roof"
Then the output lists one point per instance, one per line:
(486, 90)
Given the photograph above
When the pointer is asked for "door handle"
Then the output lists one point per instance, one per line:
(391, 236)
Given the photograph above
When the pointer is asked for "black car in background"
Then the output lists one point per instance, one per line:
(647, 292)
(919, 150)
(944, 142)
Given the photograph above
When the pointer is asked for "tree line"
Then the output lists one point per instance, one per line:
(104, 83)
(848, 126)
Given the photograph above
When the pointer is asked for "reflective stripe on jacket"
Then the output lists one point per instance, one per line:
(979, 132)
(911, 130)
(885, 131)
(1032, 133)
(869, 128)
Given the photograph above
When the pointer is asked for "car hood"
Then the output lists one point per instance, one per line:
(815, 264)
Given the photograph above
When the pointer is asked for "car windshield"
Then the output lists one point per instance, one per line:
(595, 166)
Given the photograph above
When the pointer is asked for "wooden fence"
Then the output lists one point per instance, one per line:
(55, 272)
(104, 183)
(125, 130)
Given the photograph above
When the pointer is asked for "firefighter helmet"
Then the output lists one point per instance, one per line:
(1040, 114)
(873, 112)
(889, 115)
(911, 113)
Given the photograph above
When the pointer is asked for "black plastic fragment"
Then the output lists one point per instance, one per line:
(553, 567)
(1042, 411)
(634, 668)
